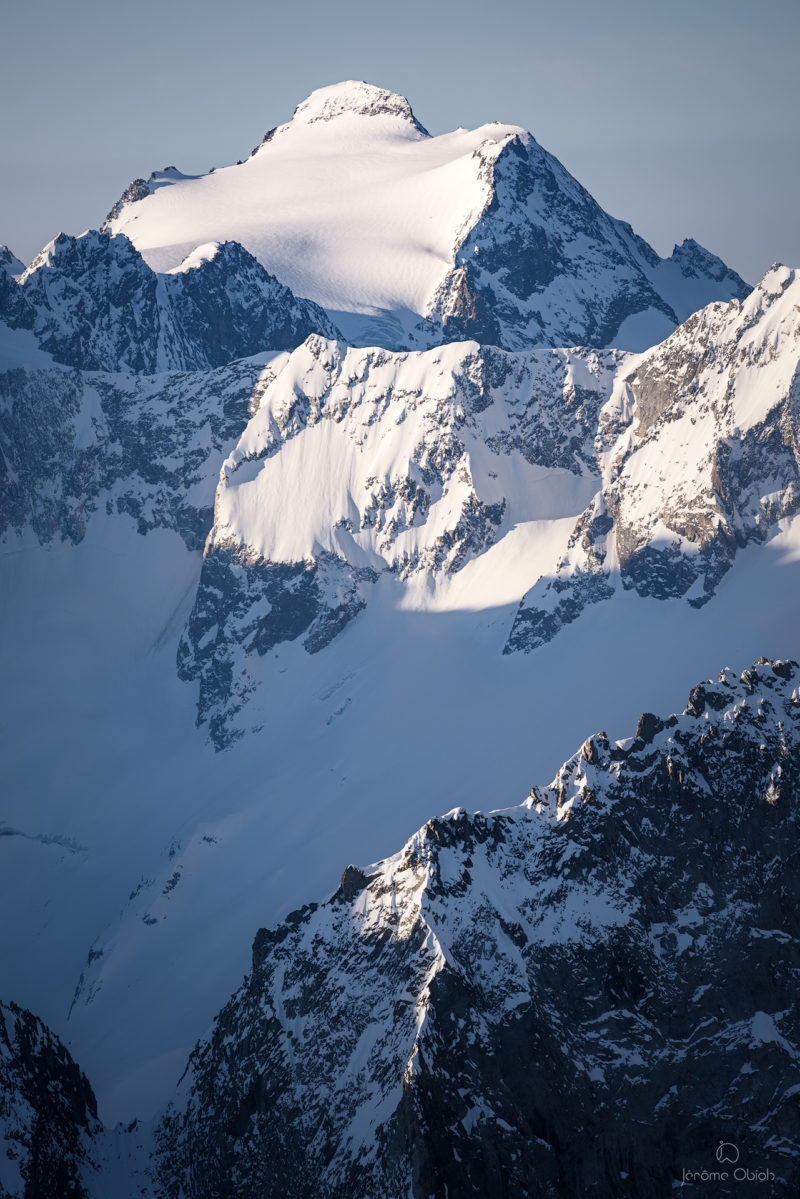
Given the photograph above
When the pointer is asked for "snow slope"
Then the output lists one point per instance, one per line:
(568, 997)
(140, 860)
(353, 205)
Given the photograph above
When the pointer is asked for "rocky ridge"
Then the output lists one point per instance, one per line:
(48, 1113)
(545, 265)
(700, 457)
(581, 995)
(93, 303)
(144, 447)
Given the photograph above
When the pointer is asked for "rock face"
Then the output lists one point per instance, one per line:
(48, 1114)
(143, 446)
(94, 303)
(360, 463)
(582, 995)
(545, 265)
(700, 456)
(497, 241)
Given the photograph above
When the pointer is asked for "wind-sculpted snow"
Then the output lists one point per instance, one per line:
(94, 303)
(360, 463)
(582, 995)
(409, 240)
(147, 447)
(700, 453)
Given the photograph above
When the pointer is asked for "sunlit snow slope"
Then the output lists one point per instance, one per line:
(353, 205)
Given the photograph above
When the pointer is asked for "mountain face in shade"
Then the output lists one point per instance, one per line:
(93, 303)
(582, 995)
(409, 240)
(48, 1113)
(587, 994)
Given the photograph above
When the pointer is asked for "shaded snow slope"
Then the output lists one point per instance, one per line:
(482, 232)
(581, 995)
(141, 860)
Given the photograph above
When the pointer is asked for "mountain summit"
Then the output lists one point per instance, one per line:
(410, 240)
(354, 99)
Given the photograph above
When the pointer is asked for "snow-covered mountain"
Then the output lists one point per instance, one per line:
(223, 526)
(410, 240)
(663, 464)
(92, 302)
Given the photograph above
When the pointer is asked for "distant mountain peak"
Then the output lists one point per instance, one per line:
(10, 263)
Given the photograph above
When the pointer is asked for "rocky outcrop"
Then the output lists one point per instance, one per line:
(583, 995)
(146, 447)
(700, 453)
(94, 304)
(247, 606)
(48, 1113)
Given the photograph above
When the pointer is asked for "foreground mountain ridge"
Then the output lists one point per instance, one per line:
(540, 1000)
(543, 1000)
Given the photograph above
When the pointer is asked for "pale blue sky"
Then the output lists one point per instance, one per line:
(683, 118)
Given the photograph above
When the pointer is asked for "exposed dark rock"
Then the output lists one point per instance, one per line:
(147, 447)
(95, 304)
(647, 727)
(48, 1113)
(353, 882)
(581, 996)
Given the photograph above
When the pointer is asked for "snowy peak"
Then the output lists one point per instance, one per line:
(696, 261)
(10, 264)
(356, 99)
(410, 240)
